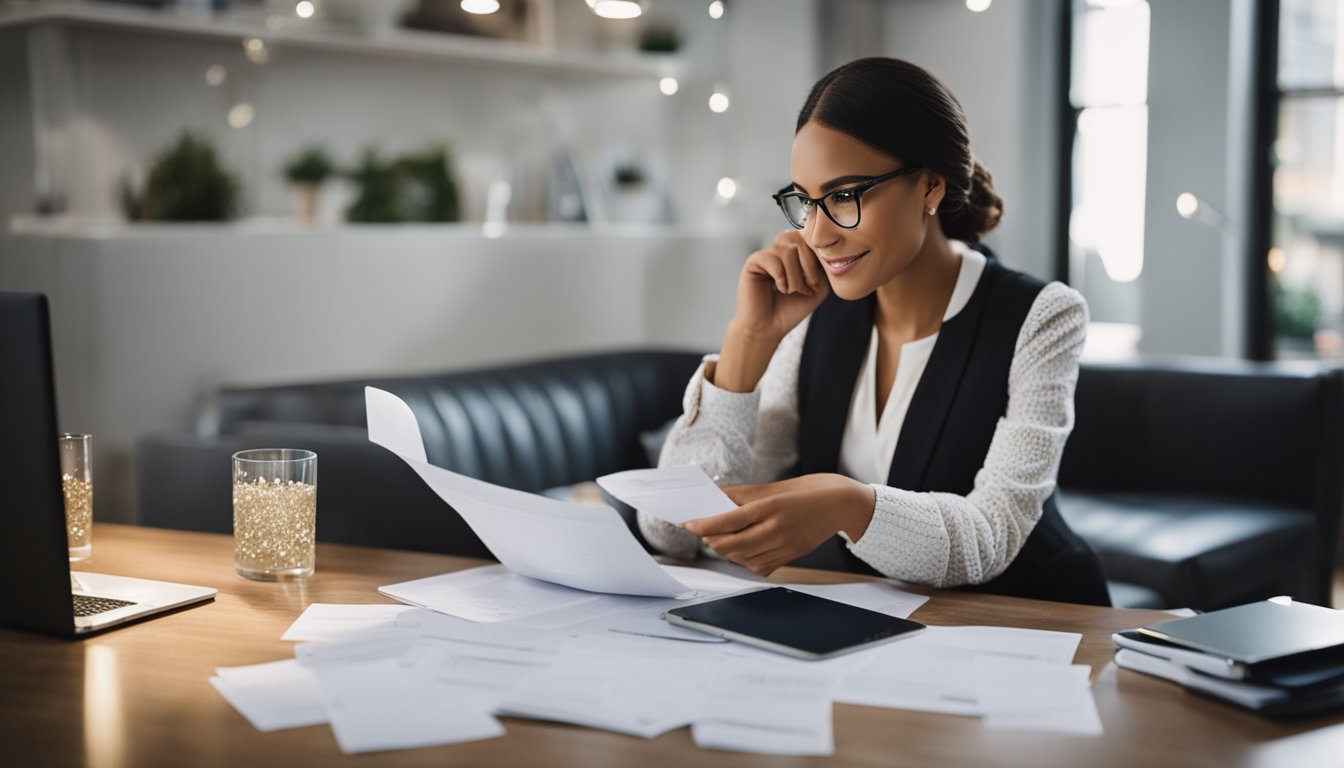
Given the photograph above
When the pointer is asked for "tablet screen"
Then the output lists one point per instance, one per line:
(796, 620)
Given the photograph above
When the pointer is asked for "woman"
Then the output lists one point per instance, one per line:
(878, 317)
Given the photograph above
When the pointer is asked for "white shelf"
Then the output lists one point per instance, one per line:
(111, 228)
(397, 43)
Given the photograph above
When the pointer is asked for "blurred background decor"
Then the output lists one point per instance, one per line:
(413, 187)
(186, 182)
(307, 170)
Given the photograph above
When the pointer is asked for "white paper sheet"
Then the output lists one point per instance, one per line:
(934, 670)
(712, 734)
(674, 494)
(588, 548)
(368, 645)
(879, 596)
(766, 707)
(643, 616)
(328, 621)
(1020, 695)
(493, 593)
(638, 691)
(376, 706)
(487, 594)
(272, 696)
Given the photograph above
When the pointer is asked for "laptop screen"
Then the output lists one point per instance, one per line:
(34, 560)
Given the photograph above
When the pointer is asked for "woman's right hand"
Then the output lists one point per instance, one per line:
(780, 285)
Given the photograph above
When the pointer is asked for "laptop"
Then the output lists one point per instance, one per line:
(41, 592)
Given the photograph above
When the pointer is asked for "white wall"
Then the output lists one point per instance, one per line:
(147, 322)
(1002, 65)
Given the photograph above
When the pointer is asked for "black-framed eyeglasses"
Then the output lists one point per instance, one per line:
(843, 205)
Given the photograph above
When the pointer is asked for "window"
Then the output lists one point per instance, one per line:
(1306, 259)
(1105, 192)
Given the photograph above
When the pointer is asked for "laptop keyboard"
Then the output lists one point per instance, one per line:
(92, 606)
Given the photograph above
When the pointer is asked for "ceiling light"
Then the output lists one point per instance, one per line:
(668, 85)
(617, 9)
(480, 7)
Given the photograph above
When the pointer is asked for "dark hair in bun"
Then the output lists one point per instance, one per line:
(902, 110)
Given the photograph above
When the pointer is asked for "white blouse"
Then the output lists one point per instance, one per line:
(869, 441)
(936, 538)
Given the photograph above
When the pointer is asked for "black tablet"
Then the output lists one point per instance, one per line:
(793, 623)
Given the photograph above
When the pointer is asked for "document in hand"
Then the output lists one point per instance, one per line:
(674, 494)
(587, 548)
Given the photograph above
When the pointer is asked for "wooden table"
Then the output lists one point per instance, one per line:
(139, 696)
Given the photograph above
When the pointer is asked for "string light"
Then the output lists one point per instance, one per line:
(719, 100)
(727, 188)
(241, 115)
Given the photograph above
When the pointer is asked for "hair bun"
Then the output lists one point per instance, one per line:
(985, 205)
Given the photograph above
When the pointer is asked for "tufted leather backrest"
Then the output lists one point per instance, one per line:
(1265, 432)
(529, 426)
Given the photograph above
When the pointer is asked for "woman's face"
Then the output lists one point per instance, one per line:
(894, 214)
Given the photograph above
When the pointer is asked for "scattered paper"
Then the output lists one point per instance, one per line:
(934, 670)
(713, 734)
(674, 494)
(878, 596)
(487, 594)
(768, 708)
(369, 645)
(376, 706)
(583, 547)
(272, 696)
(1021, 695)
(637, 695)
(326, 621)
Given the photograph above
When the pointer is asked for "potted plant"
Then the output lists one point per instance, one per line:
(186, 182)
(376, 199)
(306, 171)
(416, 186)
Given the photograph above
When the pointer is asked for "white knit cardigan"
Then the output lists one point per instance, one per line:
(941, 539)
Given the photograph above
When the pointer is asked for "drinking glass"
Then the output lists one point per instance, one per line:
(274, 513)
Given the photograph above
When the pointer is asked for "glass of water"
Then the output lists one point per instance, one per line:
(274, 513)
(77, 485)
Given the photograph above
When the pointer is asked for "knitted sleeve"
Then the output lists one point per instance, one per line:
(944, 539)
(736, 437)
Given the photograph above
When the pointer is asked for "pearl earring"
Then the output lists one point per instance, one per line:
(933, 211)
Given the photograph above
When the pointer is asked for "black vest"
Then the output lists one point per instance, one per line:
(943, 442)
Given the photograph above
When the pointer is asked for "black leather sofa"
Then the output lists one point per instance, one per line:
(537, 427)
(1198, 486)
(1208, 483)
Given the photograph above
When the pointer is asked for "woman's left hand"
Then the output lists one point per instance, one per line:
(779, 522)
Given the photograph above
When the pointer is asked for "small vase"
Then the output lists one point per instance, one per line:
(303, 199)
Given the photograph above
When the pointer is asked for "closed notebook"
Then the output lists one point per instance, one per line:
(1257, 632)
